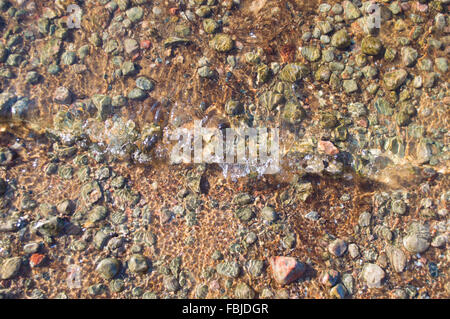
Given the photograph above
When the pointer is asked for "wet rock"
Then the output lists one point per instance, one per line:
(175, 41)
(327, 147)
(429, 79)
(409, 56)
(351, 12)
(10, 267)
(269, 214)
(222, 43)
(62, 95)
(68, 58)
(206, 72)
(373, 275)
(131, 46)
(210, 26)
(371, 45)
(137, 264)
(341, 39)
(441, 64)
(293, 113)
(262, 74)
(128, 68)
(399, 207)
(91, 193)
(255, 267)
(6, 156)
(32, 248)
(270, 100)
(350, 86)
(244, 214)
(323, 73)
(228, 269)
(32, 77)
(203, 11)
(397, 258)
(137, 94)
(364, 219)
(101, 239)
(65, 207)
(293, 72)
(50, 227)
(348, 282)
(243, 291)
(311, 53)
(21, 109)
(418, 238)
(3, 186)
(201, 291)
(171, 284)
(439, 241)
(383, 106)
(394, 79)
(234, 107)
(108, 267)
(97, 289)
(338, 291)
(117, 285)
(337, 247)
(135, 14)
(330, 278)
(7, 100)
(50, 51)
(286, 269)
(3, 53)
(242, 199)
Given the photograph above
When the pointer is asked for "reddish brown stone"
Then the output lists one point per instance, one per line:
(36, 260)
(286, 269)
(327, 147)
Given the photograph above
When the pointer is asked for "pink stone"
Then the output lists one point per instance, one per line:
(405, 6)
(421, 7)
(327, 147)
(286, 269)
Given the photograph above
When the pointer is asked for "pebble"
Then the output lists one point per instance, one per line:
(171, 284)
(108, 268)
(62, 95)
(397, 258)
(144, 83)
(373, 275)
(327, 147)
(244, 291)
(341, 39)
(10, 267)
(439, 241)
(286, 269)
(138, 264)
(228, 269)
(417, 240)
(131, 46)
(409, 56)
(371, 45)
(36, 260)
(338, 291)
(269, 214)
(353, 250)
(337, 247)
(394, 79)
(135, 14)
